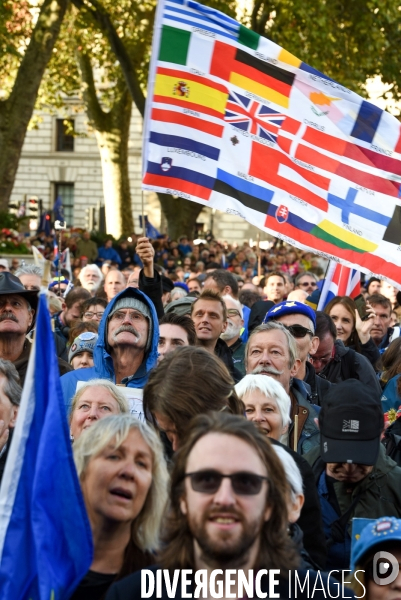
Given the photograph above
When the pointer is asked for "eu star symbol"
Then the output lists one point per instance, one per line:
(289, 304)
(277, 308)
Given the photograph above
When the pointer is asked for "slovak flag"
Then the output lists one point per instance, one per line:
(339, 281)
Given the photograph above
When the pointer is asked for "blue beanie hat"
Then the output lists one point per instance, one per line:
(385, 529)
(181, 285)
(290, 307)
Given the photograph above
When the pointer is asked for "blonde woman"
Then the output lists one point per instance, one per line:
(124, 479)
(96, 399)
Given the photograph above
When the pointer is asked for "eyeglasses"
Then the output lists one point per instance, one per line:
(308, 284)
(91, 315)
(243, 482)
(232, 312)
(298, 331)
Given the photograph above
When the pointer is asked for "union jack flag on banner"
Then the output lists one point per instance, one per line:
(252, 116)
(237, 123)
(339, 281)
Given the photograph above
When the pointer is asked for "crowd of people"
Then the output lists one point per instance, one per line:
(217, 419)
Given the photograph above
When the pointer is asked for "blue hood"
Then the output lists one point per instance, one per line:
(102, 359)
(104, 368)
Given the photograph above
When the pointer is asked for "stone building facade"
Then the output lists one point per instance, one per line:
(54, 163)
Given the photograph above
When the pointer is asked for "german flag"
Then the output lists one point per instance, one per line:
(251, 74)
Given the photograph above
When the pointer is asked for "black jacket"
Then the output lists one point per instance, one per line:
(319, 386)
(348, 364)
(224, 353)
(310, 520)
(21, 364)
(258, 313)
(369, 351)
(152, 287)
(3, 457)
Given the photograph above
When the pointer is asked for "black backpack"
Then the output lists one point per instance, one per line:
(392, 441)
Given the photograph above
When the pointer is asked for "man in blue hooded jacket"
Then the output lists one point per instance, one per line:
(126, 350)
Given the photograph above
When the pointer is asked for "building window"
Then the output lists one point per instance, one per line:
(66, 193)
(64, 139)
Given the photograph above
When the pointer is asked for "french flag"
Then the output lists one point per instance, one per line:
(339, 281)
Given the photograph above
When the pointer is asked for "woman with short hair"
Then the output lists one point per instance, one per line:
(124, 479)
(95, 399)
(267, 404)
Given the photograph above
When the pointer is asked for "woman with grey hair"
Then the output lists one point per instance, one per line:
(10, 397)
(124, 480)
(267, 404)
(95, 399)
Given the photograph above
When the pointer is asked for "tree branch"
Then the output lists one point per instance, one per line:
(102, 19)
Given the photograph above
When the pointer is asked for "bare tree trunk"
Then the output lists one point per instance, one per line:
(112, 134)
(16, 111)
(181, 215)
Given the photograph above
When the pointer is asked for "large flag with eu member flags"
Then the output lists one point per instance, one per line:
(45, 536)
(237, 123)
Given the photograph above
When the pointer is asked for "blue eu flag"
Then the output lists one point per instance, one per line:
(45, 537)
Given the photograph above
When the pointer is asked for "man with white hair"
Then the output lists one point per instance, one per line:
(231, 336)
(91, 278)
(271, 350)
(30, 276)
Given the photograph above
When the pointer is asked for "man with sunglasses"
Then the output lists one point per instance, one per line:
(271, 350)
(228, 512)
(306, 281)
(300, 320)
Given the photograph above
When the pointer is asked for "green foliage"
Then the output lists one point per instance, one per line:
(348, 41)
(11, 221)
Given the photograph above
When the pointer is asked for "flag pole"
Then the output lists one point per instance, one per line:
(259, 257)
(143, 217)
(59, 262)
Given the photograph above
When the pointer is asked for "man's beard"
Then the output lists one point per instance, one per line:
(261, 370)
(231, 332)
(224, 552)
(91, 286)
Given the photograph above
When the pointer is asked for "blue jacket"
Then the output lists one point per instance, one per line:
(104, 368)
(108, 254)
(390, 397)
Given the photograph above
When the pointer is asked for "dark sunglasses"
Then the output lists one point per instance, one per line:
(298, 331)
(243, 483)
(307, 284)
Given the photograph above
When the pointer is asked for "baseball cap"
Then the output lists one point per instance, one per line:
(350, 422)
(4, 263)
(290, 307)
(385, 529)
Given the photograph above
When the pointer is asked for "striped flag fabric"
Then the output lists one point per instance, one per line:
(45, 536)
(237, 123)
(339, 281)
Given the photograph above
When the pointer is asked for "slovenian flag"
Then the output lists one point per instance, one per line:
(45, 537)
